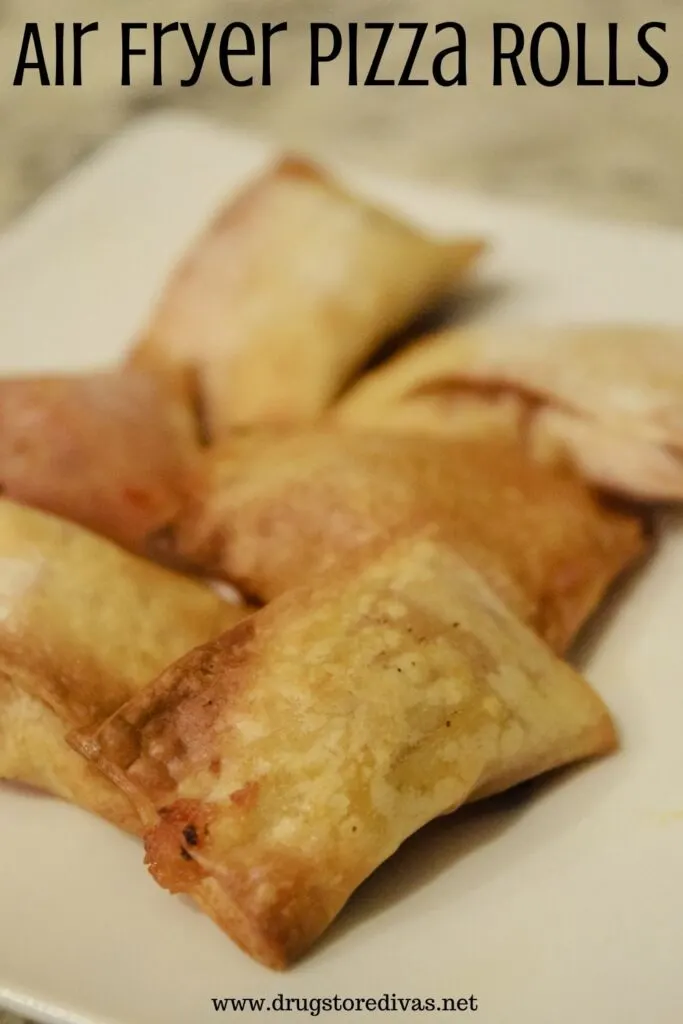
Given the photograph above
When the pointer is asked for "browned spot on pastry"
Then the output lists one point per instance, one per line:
(246, 797)
(138, 497)
(167, 856)
(190, 835)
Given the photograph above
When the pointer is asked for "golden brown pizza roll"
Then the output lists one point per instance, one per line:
(272, 510)
(110, 451)
(278, 766)
(610, 398)
(83, 626)
(287, 292)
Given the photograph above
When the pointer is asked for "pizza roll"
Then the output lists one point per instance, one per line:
(110, 451)
(269, 511)
(609, 398)
(278, 766)
(83, 626)
(287, 292)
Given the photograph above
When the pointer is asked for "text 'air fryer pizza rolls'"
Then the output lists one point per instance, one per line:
(83, 626)
(278, 766)
(288, 291)
(270, 511)
(110, 451)
(609, 398)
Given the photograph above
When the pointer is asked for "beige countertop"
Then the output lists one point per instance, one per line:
(614, 151)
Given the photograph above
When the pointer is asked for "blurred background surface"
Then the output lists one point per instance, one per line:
(612, 151)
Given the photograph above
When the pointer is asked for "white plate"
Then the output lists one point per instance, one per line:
(568, 908)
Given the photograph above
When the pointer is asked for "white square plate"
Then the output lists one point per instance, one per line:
(566, 908)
